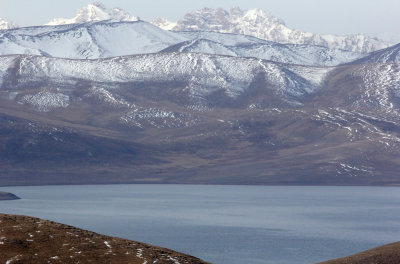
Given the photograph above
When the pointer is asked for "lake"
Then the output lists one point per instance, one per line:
(226, 224)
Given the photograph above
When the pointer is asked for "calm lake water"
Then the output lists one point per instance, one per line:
(226, 224)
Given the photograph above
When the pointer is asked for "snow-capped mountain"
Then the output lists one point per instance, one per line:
(91, 40)
(95, 12)
(7, 24)
(258, 23)
(164, 23)
(99, 32)
(247, 46)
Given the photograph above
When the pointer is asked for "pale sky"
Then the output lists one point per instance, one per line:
(373, 17)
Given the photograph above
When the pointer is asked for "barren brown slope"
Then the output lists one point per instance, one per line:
(31, 240)
(388, 254)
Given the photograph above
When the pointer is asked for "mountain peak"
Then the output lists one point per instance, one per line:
(236, 10)
(4, 24)
(95, 12)
(163, 23)
(97, 4)
(260, 24)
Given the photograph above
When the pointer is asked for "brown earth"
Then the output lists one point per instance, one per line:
(388, 254)
(31, 240)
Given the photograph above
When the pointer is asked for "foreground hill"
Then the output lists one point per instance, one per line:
(388, 254)
(26, 239)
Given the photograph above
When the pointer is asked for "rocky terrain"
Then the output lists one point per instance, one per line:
(8, 196)
(388, 254)
(26, 239)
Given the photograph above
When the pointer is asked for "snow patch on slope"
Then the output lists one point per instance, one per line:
(45, 101)
(381, 86)
(158, 118)
(107, 97)
(5, 63)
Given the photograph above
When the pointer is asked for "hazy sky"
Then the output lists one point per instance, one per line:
(374, 17)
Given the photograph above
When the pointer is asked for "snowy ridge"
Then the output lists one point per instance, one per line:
(246, 46)
(200, 76)
(260, 24)
(95, 12)
(391, 54)
(201, 46)
(103, 39)
(88, 41)
(226, 39)
(97, 40)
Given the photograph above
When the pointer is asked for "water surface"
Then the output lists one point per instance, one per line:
(226, 224)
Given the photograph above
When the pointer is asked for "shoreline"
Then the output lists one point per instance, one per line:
(6, 196)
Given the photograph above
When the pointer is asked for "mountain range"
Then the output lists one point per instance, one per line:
(255, 22)
(108, 98)
(93, 40)
(260, 24)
